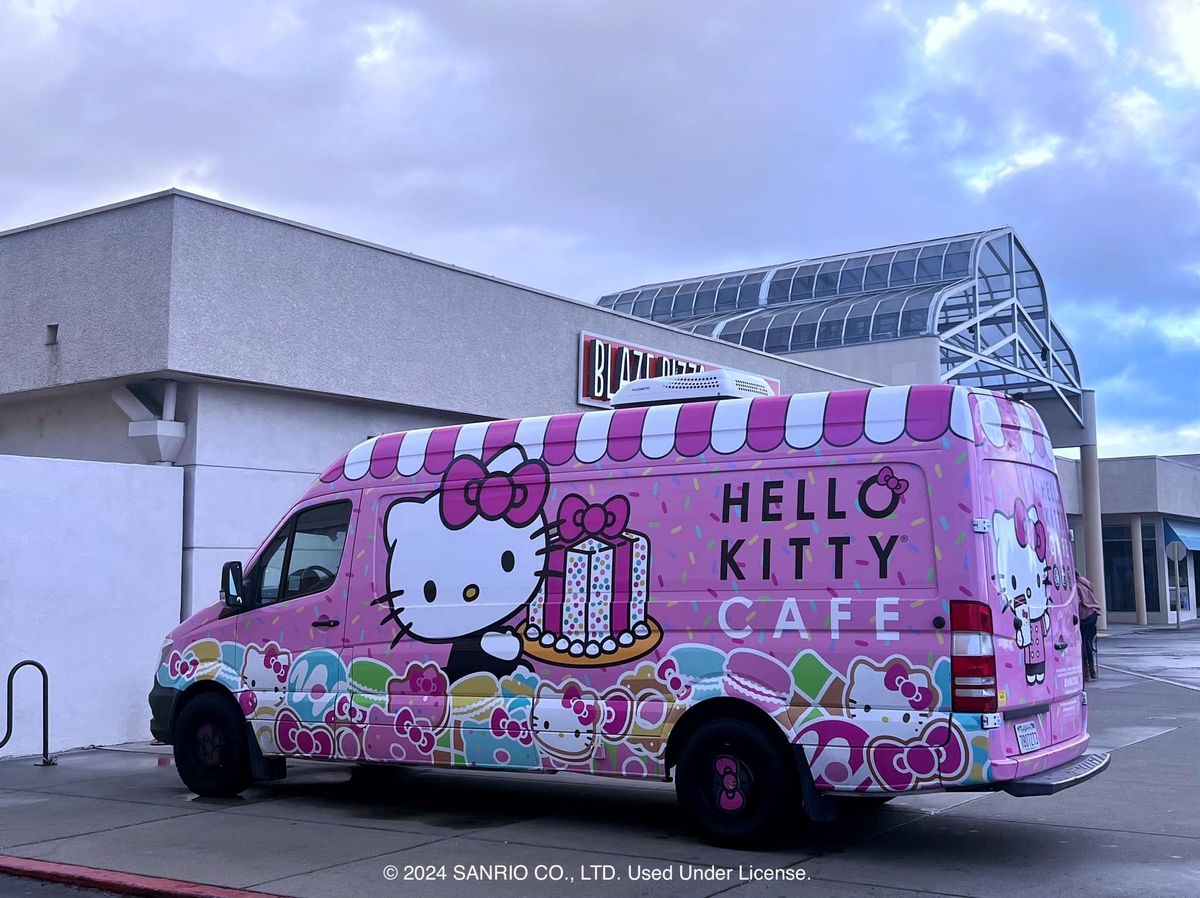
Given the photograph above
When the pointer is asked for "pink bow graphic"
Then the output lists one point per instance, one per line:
(887, 478)
(574, 701)
(503, 725)
(733, 790)
(1020, 518)
(580, 518)
(897, 679)
(469, 490)
(180, 666)
(276, 664)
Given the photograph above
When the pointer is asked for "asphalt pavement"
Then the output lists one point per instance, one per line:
(23, 887)
(330, 831)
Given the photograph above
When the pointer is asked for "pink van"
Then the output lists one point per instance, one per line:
(777, 601)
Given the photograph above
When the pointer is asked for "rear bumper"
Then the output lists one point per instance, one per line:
(1058, 778)
(1022, 767)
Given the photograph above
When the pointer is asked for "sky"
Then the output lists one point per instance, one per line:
(582, 146)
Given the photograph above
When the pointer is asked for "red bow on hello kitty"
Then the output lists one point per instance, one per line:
(470, 490)
(581, 518)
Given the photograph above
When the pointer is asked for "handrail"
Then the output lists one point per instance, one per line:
(46, 761)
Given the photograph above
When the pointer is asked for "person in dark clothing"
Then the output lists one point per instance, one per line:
(1089, 616)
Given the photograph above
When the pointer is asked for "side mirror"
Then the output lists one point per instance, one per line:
(231, 584)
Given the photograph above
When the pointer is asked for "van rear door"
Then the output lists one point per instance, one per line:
(1037, 641)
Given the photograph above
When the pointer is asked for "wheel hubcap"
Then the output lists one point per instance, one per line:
(731, 783)
(210, 744)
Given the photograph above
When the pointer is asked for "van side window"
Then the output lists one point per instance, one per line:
(317, 541)
(260, 585)
(271, 567)
(308, 547)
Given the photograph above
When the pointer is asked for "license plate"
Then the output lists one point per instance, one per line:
(1027, 736)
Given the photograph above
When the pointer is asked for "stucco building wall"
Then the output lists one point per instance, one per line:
(89, 582)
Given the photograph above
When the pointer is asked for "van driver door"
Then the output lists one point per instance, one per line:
(291, 673)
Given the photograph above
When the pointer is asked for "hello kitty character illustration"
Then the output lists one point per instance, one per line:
(1022, 579)
(466, 558)
(564, 721)
(264, 679)
(906, 695)
(567, 721)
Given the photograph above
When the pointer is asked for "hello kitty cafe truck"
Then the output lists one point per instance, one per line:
(777, 600)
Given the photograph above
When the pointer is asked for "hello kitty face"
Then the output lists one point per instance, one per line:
(565, 721)
(906, 695)
(1021, 549)
(265, 674)
(469, 555)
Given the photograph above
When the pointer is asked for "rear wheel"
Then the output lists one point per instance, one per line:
(735, 783)
(211, 749)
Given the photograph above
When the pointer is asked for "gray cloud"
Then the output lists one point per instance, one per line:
(586, 146)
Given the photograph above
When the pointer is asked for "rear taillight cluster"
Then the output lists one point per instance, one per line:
(972, 658)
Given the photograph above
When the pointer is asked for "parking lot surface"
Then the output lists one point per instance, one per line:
(330, 830)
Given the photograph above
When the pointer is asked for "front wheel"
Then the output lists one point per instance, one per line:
(212, 753)
(735, 783)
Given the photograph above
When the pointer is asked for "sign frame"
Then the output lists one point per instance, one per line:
(648, 355)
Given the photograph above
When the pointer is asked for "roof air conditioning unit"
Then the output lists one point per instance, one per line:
(700, 386)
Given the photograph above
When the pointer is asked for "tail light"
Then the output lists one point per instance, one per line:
(972, 659)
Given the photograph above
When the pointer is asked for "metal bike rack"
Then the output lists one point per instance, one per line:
(46, 760)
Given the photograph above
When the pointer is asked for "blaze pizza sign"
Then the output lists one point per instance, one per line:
(606, 365)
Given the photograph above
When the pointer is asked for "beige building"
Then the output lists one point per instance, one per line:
(1151, 534)
(248, 351)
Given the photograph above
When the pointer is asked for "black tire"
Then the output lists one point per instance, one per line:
(736, 784)
(212, 752)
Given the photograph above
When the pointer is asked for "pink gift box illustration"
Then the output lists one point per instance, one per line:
(593, 607)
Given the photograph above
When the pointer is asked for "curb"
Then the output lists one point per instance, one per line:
(117, 881)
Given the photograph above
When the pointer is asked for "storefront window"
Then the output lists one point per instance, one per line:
(1178, 589)
(1118, 567)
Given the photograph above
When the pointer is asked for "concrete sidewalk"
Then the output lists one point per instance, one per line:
(1128, 629)
(328, 831)
(1164, 653)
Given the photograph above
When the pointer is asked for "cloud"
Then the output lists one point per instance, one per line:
(1175, 330)
(1143, 438)
(982, 175)
(1181, 330)
(1175, 58)
(583, 147)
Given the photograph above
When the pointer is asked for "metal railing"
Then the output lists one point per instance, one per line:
(46, 761)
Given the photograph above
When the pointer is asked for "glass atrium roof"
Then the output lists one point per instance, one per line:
(979, 294)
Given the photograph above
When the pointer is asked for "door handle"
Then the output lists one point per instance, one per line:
(325, 622)
(1060, 645)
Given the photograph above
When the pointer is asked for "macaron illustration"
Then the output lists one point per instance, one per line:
(208, 653)
(315, 680)
(750, 674)
(702, 667)
(475, 697)
(369, 682)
